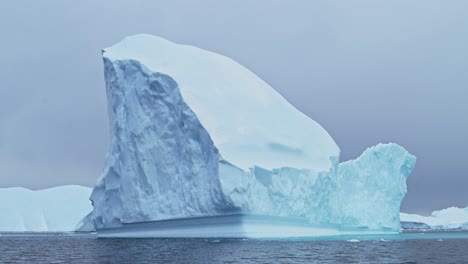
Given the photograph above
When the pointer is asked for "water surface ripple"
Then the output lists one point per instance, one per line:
(87, 249)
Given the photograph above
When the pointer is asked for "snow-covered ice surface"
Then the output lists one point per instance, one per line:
(446, 219)
(195, 134)
(56, 209)
(241, 112)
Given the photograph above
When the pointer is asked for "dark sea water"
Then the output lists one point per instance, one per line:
(72, 248)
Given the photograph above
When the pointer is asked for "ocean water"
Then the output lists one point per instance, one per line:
(73, 248)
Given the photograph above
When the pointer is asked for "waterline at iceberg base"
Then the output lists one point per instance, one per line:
(234, 226)
(202, 147)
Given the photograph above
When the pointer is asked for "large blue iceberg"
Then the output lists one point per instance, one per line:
(200, 146)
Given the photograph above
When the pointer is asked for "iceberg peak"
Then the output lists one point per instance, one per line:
(241, 112)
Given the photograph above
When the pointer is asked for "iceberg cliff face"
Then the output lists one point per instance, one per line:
(278, 192)
(362, 193)
(195, 134)
(369, 190)
(162, 162)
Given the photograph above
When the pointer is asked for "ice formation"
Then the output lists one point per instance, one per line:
(365, 192)
(449, 218)
(194, 134)
(86, 224)
(56, 209)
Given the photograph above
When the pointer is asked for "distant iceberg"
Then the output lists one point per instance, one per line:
(201, 146)
(446, 219)
(58, 209)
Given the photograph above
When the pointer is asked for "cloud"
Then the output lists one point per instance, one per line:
(367, 71)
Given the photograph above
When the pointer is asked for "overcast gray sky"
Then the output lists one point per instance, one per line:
(367, 71)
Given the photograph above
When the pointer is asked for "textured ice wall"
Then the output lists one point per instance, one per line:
(161, 163)
(279, 192)
(368, 191)
(361, 193)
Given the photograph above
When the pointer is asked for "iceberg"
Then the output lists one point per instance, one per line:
(57, 209)
(447, 219)
(201, 146)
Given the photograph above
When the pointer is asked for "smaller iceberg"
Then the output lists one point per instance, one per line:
(57, 209)
(451, 218)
